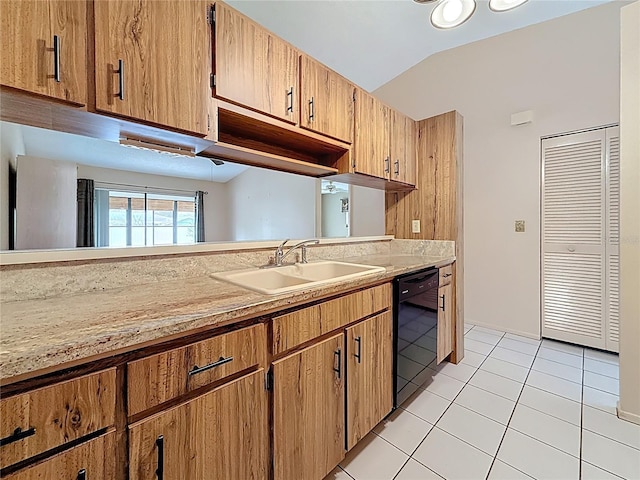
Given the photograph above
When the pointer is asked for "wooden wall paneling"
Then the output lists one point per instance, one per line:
(437, 201)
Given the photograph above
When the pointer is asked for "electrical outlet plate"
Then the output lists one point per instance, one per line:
(415, 226)
(519, 226)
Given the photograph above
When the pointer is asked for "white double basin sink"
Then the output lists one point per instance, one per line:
(289, 278)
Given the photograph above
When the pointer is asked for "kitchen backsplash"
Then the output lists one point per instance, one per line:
(33, 281)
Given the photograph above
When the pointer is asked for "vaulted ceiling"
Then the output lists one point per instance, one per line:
(372, 41)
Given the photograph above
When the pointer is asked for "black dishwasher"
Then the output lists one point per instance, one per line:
(415, 323)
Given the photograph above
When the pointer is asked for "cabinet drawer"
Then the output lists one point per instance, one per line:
(95, 458)
(295, 328)
(446, 274)
(36, 421)
(156, 379)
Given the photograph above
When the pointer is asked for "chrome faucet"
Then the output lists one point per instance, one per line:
(280, 254)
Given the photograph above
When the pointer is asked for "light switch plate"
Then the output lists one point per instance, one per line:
(519, 226)
(415, 226)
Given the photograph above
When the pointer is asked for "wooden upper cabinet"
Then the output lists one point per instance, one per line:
(221, 434)
(369, 375)
(308, 411)
(371, 148)
(153, 62)
(253, 67)
(44, 45)
(403, 148)
(327, 100)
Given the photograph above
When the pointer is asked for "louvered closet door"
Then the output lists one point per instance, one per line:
(573, 232)
(612, 328)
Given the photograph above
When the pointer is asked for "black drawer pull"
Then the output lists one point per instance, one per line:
(82, 474)
(18, 434)
(446, 275)
(338, 370)
(120, 72)
(442, 306)
(196, 369)
(358, 354)
(160, 469)
(56, 58)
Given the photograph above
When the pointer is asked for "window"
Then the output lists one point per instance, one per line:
(143, 218)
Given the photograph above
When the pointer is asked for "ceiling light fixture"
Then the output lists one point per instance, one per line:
(504, 5)
(451, 13)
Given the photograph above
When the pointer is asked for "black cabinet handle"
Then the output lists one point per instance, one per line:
(18, 434)
(290, 95)
(160, 469)
(56, 58)
(359, 351)
(312, 110)
(196, 369)
(387, 165)
(82, 474)
(397, 167)
(120, 72)
(338, 370)
(446, 275)
(442, 306)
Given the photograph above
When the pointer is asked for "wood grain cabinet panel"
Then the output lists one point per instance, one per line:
(371, 149)
(223, 434)
(327, 100)
(34, 422)
(253, 67)
(44, 45)
(95, 458)
(403, 149)
(445, 275)
(162, 377)
(445, 322)
(308, 411)
(369, 375)
(298, 327)
(153, 62)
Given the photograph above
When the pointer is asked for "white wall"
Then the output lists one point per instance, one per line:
(46, 204)
(567, 71)
(11, 145)
(269, 205)
(335, 222)
(367, 211)
(630, 214)
(216, 209)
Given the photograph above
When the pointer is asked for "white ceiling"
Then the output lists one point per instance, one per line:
(371, 42)
(94, 152)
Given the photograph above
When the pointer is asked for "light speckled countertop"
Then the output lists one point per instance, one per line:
(37, 335)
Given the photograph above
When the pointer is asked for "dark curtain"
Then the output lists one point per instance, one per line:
(200, 216)
(85, 236)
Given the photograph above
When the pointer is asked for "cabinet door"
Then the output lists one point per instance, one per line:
(445, 322)
(398, 145)
(221, 434)
(93, 460)
(409, 168)
(44, 47)
(253, 67)
(371, 142)
(153, 61)
(327, 101)
(370, 375)
(308, 411)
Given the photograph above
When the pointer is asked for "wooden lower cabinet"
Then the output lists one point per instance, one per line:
(369, 375)
(93, 460)
(308, 411)
(445, 322)
(221, 435)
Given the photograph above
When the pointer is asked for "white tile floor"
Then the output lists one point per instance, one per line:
(513, 408)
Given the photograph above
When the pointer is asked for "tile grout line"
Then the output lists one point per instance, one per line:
(445, 411)
(581, 415)
(510, 418)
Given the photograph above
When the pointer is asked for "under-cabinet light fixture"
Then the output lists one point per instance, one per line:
(165, 149)
(452, 13)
